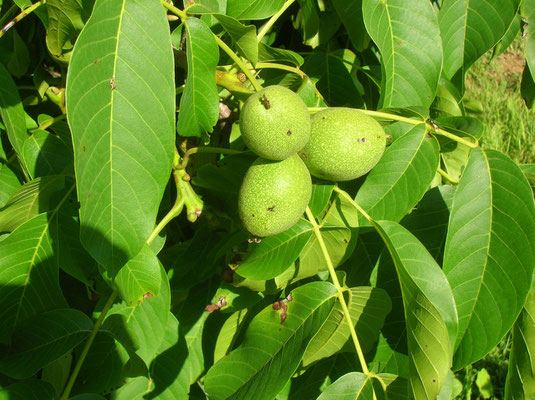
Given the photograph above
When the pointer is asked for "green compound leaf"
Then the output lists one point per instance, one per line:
(9, 183)
(275, 254)
(11, 111)
(33, 198)
(65, 20)
(243, 35)
(410, 162)
(121, 108)
(170, 370)
(489, 255)
(430, 313)
(141, 328)
(199, 105)
(408, 37)
(29, 276)
(351, 386)
(253, 9)
(31, 389)
(46, 154)
(520, 382)
(471, 27)
(270, 352)
(42, 339)
(140, 277)
(350, 12)
(368, 308)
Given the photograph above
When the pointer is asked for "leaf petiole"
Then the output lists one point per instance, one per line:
(196, 150)
(267, 26)
(80, 361)
(23, 14)
(339, 289)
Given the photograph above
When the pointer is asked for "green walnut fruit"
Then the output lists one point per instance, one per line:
(273, 195)
(275, 123)
(344, 144)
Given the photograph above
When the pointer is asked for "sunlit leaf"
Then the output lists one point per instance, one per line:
(274, 254)
(65, 20)
(408, 36)
(352, 386)
(243, 35)
(430, 313)
(117, 133)
(367, 308)
(470, 28)
(9, 182)
(253, 9)
(199, 105)
(520, 382)
(11, 111)
(489, 256)
(271, 350)
(139, 278)
(410, 162)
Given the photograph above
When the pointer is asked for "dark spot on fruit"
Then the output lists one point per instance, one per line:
(323, 118)
(264, 100)
(289, 133)
(303, 156)
(252, 215)
(434, 381)
(271, 209)
(83, 149)
(363, 140)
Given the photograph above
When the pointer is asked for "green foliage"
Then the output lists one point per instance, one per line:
(126, 271)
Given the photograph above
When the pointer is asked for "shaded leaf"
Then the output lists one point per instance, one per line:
(141, 328)
(140, 277)
(118, 134)
(333, 79)
(9, 182)
(45, 154)
(58, 371)
(274, 254)
(199, 105)
(368, 308)
(528, 12)
(527, 87)
(42, 339)
(350, 12)
(470, 28)
(169, 370)
(489, 255)
(19, 61)
(520, 382)
(267, 53)
(65, 20)
(410, 162)
(412, 57)
(271, 351)
(430, 313)
(321, 194)
(253, 9)
(32, 389)
(35, 197)
(29, 282)
(11, 111)
(352, 386)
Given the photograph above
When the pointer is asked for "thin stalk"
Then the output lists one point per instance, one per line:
(22, 14)
(447, 176)
(173, 212)
(288, 68)
(238, 62)
(178, 12)
(267, 26)
(353, 203)
(394, 117)
(339, 289)
(51, 121)
(196, 150)
(85, 350)
(5, 17)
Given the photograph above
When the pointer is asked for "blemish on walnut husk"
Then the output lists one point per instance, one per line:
(289, 133)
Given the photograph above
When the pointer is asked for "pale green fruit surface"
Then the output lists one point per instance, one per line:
(274, 195)
(344, 144)
(275, 123)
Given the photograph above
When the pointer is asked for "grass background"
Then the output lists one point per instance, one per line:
(493, 95)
